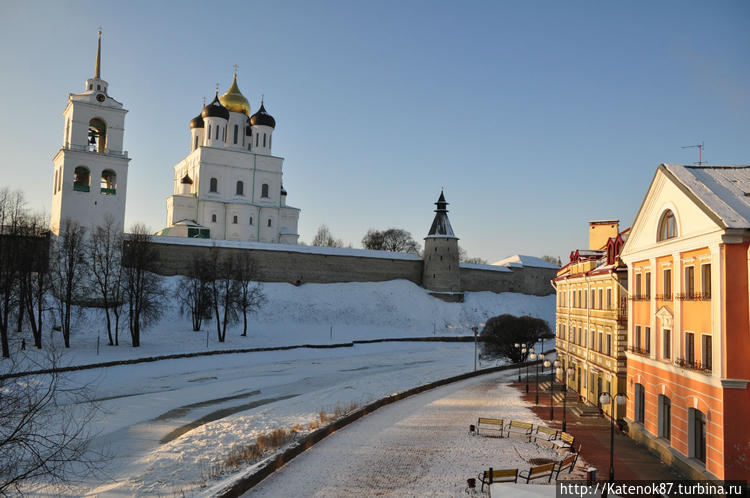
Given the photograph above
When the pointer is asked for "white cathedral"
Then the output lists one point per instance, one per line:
(228, 187)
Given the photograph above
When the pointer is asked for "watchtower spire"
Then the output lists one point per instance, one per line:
(97, 69)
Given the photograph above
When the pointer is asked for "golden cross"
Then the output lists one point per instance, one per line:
(236, 67)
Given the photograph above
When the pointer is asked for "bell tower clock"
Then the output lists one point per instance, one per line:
(91, 167)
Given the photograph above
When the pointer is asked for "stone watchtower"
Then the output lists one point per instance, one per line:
(440, 271)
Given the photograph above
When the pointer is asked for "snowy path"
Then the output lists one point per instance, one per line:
(415, 447)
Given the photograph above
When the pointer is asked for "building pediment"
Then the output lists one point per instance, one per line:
(666, 316)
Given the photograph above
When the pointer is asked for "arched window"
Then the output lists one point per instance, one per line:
(209, 132)
(251, 220)
(109, 182)
(264, 191)
(264, 140)
(213, 185)
(234, 219)
(236, 131)
(213, 218)
(195, 146)
(97, 135)
(82, 179)
(269, 141)
(667, 226)
(240, 188)
(256, 140)
(269, 222)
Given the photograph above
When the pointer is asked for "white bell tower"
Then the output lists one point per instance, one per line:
(91, 168)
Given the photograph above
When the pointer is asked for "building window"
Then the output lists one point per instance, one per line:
(666, 345)
(236, 131)
(647, 340)
(54, 186)
(108, 184)
(195, 145)
(601, 342)
(592, 344)
(690, 348)
(209, 132)
(213, 185)
(264, 140)
(706, 281)
(609, 344)
(706, 352)
(648, 285)
(697, 434)
(667, 227)
(665, 417)
(600, 298)
(609, 299)
(240, 188)
(580, 333)
(264, 191)
(640, 403)
(269, 222)
(234, 219)
(256, 140)
(667, 284)
(638, 294)
(251, 220)
(593, 295)
(637, 338)
(689, 282)
(213, 218)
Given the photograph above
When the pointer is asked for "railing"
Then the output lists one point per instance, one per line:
(664, 297)
(85, 148)
(109, 191)
(695, 296)
(641, 297)
(81, 188)
(693, 365)
(638, 350)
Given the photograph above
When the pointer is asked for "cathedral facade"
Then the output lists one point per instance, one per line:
(229, 187)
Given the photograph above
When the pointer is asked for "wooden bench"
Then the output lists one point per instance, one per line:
(491, 425)
(539, 471)
(545, 433)
(568, 463)
(566, 441)
(523, 428)
(505, 475)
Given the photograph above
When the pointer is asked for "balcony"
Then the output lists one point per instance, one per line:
(641, 297)
(664, 297)
(639, 351)
(109, 191)
(695, 296)
(693, 365)
(107, 152)
(81, 188)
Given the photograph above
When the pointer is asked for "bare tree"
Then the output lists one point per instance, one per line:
(12, 213)
(142, 287)
(324, 238)
(194, 292)
(68, 268)
(223, 288)
(392, 239)
(249, 294)
(34, 276)
(104, 254)
(44, 431)
(464, 257)
(552, 259)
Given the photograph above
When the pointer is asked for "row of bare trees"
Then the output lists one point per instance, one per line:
(39, 275)
(221, 286)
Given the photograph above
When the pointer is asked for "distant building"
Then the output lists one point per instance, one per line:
(591, 316)
(689, 324)
(229, 187)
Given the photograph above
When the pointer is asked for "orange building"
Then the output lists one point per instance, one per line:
(688, 320)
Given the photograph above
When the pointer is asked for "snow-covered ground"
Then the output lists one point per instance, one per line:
(168, 423)
(417, 447)
(308, 314)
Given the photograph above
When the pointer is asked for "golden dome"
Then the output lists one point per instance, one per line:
(234, 100)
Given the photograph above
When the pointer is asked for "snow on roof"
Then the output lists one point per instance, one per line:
(724, 190)
(474, 266)
(521, 260)
(264, 246)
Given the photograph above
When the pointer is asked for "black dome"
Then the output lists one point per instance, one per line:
(215, 110)
(262, 118)
(186, 180)
(196, 122)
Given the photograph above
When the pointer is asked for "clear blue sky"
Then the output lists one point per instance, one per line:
(534, 116)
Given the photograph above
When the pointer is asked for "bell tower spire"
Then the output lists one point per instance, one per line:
(97, 71)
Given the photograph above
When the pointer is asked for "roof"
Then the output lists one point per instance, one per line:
(520, 260)
(441, 225)
(722, 191)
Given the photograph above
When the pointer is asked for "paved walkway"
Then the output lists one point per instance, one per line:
(631, 461)
(417, 447)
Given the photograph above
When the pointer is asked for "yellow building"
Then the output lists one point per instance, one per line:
(591, 328)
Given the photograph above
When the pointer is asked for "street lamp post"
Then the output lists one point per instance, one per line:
(475, 329)
(551, 366)
(606, 399)
(521, 348)
(532, 355)
(565, 372)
